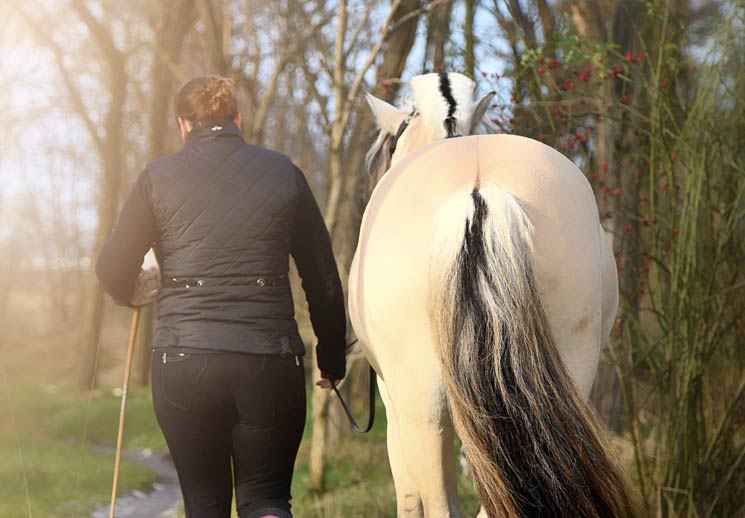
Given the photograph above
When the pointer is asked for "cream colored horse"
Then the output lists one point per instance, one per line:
(454, 231)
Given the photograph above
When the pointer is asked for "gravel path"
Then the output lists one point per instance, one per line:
(162, 501)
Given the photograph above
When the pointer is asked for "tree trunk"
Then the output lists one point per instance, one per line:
(111, 181)
(357, 192)
(94, 314)
(438, 33)
(470, 38)
(317, 465)
(170, 34)
(348, 214)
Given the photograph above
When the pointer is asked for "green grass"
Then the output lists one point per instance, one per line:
(49, 443)
(48, 450)
(359, 481)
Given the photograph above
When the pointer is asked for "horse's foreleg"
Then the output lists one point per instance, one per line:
(408, 501)
(427, 440)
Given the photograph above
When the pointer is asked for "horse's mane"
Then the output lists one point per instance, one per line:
(378, 160)
(432, 104)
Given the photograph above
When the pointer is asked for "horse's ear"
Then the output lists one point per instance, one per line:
(478, 110)
(387, 116)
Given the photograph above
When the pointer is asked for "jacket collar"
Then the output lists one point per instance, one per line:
(208, 130)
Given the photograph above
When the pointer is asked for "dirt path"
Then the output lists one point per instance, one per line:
(162, 501)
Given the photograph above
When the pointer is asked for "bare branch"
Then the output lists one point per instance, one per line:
(337, 129)
(357, 83)
(424, 10)
(322, 101)
(73, 91)
(100, 33)
(271, 90)
(358, 29)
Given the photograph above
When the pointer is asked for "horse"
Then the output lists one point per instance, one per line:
(482, 290)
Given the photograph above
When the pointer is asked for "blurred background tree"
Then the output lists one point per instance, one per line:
(646, 97)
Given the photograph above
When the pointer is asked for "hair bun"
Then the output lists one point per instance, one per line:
(207, 98)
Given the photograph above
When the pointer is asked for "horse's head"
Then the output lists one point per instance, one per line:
(443, 107)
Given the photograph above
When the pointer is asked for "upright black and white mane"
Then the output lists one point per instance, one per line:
(441, 107)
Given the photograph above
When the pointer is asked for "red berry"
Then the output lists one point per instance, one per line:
(628, 228)
(629, 56)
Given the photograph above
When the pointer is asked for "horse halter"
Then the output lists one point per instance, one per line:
(401, 128)
(449, 125)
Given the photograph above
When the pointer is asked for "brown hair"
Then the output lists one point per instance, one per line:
(206, 98)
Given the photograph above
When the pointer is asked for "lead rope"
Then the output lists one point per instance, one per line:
(371, 401)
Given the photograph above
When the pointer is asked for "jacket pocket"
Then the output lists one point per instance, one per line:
(180, 377)
(291, 345)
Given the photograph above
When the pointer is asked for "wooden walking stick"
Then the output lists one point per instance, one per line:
(125, 387)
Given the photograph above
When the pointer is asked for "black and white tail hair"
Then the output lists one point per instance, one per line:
(534, 444)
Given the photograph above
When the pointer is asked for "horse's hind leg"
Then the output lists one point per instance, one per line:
(427, 439)
(408, 501)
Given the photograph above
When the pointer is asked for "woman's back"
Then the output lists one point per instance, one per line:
(224, 216)
(225, 212)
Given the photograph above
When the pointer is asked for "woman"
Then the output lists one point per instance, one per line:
(228, 381)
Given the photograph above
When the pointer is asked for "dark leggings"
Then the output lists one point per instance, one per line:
(218, 406)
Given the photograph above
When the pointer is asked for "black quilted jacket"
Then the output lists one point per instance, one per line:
(223, 217)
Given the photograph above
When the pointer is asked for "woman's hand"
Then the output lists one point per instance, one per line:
(147, 286)
(324, 382)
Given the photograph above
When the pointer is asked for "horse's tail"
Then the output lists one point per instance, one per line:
(534, 444)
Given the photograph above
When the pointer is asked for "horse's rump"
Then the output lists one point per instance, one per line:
(388, 285)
